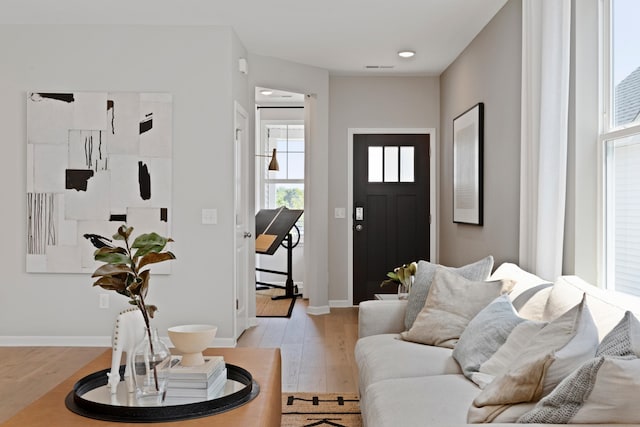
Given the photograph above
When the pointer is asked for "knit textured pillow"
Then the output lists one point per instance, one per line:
(602, 390)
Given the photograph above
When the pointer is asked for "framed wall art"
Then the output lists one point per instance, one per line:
(95, 160)
(468, 130)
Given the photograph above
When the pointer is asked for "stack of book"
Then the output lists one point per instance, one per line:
(196, 383)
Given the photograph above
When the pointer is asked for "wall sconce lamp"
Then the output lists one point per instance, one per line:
(273, 164)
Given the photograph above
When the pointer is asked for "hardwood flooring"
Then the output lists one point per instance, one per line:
(317, 351)
(317, 356)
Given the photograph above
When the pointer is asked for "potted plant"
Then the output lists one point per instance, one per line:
(402, 277)
(126, 270)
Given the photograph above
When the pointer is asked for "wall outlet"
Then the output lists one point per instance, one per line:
(209, 216)
(104, 301)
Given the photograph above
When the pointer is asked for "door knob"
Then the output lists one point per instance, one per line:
(247, 234)
(359, 227)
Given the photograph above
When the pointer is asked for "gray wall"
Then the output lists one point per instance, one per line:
(367, 102)
(488, 71)
(41, 307)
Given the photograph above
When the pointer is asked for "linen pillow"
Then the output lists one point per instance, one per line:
(586, 395)
(452, 302)
(541, 364)
(478, 270)
(485, 334)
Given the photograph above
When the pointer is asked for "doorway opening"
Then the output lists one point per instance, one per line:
(280, 126)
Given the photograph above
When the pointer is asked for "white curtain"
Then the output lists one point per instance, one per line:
(546, 26)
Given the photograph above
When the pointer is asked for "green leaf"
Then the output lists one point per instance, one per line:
(144, 250)
(150, 239)
(112, 270)
(115, 255)
(154, 257)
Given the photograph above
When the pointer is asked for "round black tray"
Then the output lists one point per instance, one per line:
(161, 413)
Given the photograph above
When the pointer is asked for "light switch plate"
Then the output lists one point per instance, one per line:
(209, 216)
(339, 213)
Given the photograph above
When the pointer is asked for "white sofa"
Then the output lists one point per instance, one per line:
(405, 384)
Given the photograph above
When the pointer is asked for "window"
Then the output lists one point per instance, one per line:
(286, 186)
(391, 164)
(620, 136)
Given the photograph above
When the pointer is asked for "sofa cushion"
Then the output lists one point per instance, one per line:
(440, 400)
(606, 307)
(380, 357)
(451, 304)
(478, 270)
(530, 292)
(586, 395)
(485, 334)
(551, 355)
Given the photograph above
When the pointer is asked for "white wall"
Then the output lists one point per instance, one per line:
(292, 77)
(489, 71)
(196, 66)
(367, 102)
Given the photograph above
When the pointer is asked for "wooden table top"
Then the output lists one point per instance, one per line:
(265, 410)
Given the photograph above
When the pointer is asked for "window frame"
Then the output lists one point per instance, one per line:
(261, 166)
(608, 135)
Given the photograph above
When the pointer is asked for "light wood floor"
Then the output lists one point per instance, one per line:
(317, 351)
(317, 355)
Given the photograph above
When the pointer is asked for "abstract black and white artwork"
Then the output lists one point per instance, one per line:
(95, 160)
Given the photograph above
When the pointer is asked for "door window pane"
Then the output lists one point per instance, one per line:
(375, 164)
(406, 164)
(390, 164)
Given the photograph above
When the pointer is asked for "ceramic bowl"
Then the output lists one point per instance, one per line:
(191, 340)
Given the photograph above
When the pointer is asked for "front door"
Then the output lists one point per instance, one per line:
(391, 207)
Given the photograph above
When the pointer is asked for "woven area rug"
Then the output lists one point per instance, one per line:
(267, 307)
(321, 409)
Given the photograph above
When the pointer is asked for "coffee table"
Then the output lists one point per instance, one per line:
(265, 410)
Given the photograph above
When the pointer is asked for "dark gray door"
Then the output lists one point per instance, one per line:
(391, 207)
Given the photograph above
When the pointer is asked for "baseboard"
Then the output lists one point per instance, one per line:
(73, 341)
(55, 341)
(340, 303)
(253, 321)
(315, 311)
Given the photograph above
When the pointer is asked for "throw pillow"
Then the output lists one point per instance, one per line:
(602, 390)
(539, 366)
(452, 302)
(478, 270)
(623, 340)
(485, 334)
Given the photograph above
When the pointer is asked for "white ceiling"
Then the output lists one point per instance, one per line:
(342, 36)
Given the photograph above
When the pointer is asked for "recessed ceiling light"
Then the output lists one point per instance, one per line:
(266, 92)
(406, 53)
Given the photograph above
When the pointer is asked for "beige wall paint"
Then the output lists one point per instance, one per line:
(63, 308)
(367, 102)
(489, 71)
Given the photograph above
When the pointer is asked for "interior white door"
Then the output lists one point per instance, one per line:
(243, 237)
